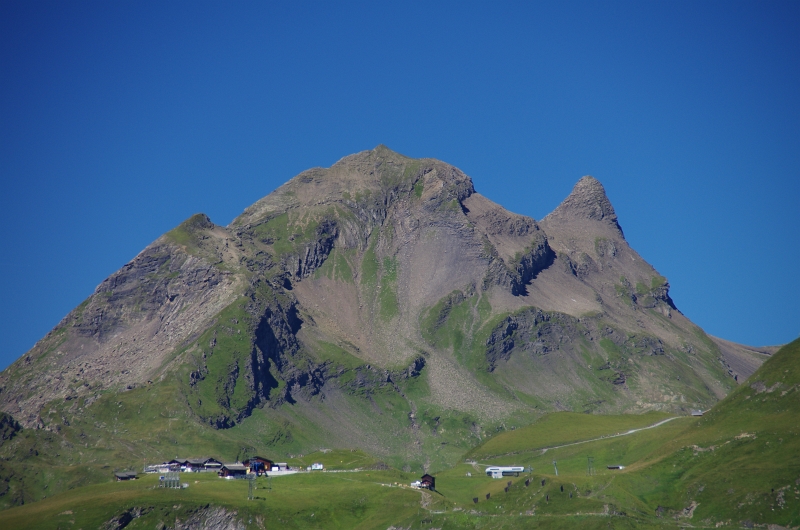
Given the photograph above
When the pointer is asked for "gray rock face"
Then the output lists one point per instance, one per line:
(588, 200)
(211, 518)
(121, 335)
(9, 427)
(530, 332)
(206, 518)
(156, 277)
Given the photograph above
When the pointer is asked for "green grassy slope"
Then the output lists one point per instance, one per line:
(741, 461)
(315, 500)
(559, 429)
(739, 465)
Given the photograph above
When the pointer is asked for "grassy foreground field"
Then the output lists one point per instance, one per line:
(737, 466)
(319, 500)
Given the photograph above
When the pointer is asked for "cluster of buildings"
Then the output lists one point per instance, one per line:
(255, 465)
(186, 465)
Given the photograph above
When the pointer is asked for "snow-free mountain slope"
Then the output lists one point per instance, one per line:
(369, 302)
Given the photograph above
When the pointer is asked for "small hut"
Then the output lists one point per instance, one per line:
(427, 481)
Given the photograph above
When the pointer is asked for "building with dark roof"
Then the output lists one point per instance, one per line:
(258, 465)
(427, 481)
(233, 471)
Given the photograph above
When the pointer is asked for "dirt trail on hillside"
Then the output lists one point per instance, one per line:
(606, 437)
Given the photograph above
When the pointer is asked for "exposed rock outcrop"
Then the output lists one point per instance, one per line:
(588, 200)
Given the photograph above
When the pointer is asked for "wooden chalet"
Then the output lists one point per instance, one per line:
(259, 465)
(233, 471)
(194, 464)
(212, 464)
(427, 481)
(176, 464)
(126, 475)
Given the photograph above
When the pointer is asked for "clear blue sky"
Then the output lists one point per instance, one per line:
(118, 120)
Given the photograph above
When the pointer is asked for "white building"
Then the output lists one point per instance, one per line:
(504, 471)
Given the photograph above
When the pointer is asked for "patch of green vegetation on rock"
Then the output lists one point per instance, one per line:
(411, 170)
(188, 233)
(288, 232)
(219, 386)
(484, 307)
(336, 355)
(623, 292)
(336, 266)
(343, 272)
(450, 206)
(447, 323)
(419, 187)
(370, 265)
(363, 195)
(657, 281)
(276, 232)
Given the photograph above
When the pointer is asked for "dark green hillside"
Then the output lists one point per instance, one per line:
(741, 461)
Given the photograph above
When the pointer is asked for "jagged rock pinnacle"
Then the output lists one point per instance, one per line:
(588, 200)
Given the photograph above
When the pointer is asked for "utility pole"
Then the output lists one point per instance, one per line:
(555, 467)
(251, 478)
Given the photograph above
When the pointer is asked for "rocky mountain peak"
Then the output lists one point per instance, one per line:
(313, 297)
(370, 179)
(588, 200)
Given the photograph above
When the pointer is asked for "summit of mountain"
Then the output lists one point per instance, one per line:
(588, 200)
(378, 303)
